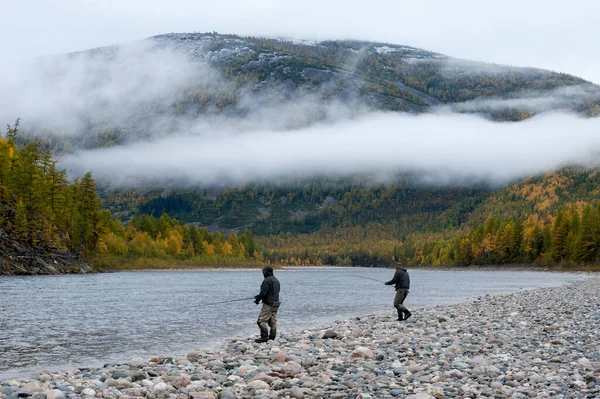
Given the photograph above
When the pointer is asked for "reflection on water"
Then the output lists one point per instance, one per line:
(57, 322)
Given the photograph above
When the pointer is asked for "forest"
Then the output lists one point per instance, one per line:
(571, 236)
(44, 211)
(354, 220)
(550, 219)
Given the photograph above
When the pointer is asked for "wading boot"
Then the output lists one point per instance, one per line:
(264, 336)
(272, 334)
(407, 314)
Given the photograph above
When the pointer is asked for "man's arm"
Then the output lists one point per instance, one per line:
(264, 290)
(394, 280)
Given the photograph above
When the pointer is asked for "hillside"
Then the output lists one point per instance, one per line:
(541, 195)
(219, 87)
(19, 258)
(405, 205)
(553, 218)
(183, 82)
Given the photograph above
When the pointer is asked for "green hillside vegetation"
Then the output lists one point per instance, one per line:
(553, 218)
(404, 205)
(149, 242)
(542, 195)
(39, 207)
(546, 220)
(351, 220)
(45, 220)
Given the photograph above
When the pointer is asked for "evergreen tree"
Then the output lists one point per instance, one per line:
(587, 241)
(87, 208)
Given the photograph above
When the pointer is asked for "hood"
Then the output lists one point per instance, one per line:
(267, 271)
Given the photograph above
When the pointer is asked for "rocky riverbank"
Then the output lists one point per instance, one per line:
(543, 343)
(17, 258)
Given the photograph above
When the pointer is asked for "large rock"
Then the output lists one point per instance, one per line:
(420, 395)
(88, 392)
(55, 394)
(279, 357)
(361, 353)
(258, 384)
(33, 387)
(194, 356)
(202, 395)
(330, 334)
(162, 390)
(291, 368)
(137, 363)
(182, 381)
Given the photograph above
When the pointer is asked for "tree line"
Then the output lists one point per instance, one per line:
(569, 236)
(150, 237)
(41, 208)
(38, 204)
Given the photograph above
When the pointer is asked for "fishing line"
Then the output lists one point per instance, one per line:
(217, 303)
(368, 278)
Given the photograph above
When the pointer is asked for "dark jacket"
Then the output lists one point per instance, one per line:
(401, 280)
(269, 289)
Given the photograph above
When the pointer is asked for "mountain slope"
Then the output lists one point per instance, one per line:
(211, 85)
(404, 205)
(541, 195)
(189, 82)
(553, 218)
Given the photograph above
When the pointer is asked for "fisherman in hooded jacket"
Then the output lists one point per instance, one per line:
(269, 295)
(401, 280)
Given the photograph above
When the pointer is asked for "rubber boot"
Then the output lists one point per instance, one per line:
(407, 314)
(272, 334)
(400, 316)
(264, 336)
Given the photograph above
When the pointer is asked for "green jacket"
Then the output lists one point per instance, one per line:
(269, 289)
(401, 280)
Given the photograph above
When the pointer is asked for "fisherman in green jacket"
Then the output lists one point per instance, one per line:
(401, 281)
(269, 295)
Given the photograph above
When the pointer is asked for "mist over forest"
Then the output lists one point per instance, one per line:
(210, 110)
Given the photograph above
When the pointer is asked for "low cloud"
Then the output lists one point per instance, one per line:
(445, 148)
(272, 134)
(67, 93)
(534, 101)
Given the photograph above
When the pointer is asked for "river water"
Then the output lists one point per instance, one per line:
(61, 322)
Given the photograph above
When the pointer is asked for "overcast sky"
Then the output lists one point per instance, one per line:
(556, 35)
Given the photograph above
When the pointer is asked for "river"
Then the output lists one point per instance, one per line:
(67, 321)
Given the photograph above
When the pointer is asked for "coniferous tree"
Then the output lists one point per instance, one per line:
(586, 247)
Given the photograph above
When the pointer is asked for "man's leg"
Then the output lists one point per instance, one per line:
(273, 325)
(273, 321)
(263, 319)
(399, 304)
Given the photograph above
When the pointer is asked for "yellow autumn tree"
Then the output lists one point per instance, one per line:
(174, 241)
(142, 244)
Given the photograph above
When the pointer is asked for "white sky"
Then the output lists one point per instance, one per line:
(556, 35)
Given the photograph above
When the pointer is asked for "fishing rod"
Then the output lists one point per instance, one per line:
(368, 278)
(217, 303)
